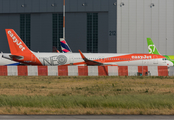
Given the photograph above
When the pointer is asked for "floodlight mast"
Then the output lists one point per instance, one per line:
(64, 19)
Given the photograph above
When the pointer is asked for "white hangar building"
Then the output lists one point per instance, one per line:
(99, 26)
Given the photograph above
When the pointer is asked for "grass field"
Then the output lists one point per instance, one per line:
(86, 95)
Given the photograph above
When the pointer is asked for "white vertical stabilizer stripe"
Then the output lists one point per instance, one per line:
(132, 70)
(171, 71)
(72, 70)
(153, 70)
(92, 70)
(52, 71)
(113, 70)
(32, 70)
(12, 71)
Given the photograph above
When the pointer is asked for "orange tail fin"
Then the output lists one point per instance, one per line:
(15, 43)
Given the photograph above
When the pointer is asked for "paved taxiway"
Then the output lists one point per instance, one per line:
(88, 117)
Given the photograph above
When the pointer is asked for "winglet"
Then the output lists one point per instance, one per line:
(58, 51)
(152, 48)
(89, 62)
(83, 57)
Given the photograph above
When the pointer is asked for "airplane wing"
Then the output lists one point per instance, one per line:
(89, 62)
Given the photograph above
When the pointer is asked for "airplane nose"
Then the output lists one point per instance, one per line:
(169, 63)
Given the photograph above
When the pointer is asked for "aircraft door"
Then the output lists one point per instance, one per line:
(155, 60)
(71, 60)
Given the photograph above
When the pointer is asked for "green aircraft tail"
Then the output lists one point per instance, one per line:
(151, 47)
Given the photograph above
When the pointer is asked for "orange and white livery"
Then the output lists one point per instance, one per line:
(21, 53)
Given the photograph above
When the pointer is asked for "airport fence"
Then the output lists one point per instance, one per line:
(86, 71)
(171, 71)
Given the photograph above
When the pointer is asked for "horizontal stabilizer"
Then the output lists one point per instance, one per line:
(6, 56)
(16, 57)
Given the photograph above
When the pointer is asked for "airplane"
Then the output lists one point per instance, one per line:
(21, 53)
(153, 50)
(10, 62)
(64, 46)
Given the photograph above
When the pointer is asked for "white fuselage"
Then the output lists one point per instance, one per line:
(105, 58)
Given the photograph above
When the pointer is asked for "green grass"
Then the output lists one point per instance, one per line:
(86, 95)
(118, 101)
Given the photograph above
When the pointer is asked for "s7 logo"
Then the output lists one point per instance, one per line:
(151, 49)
